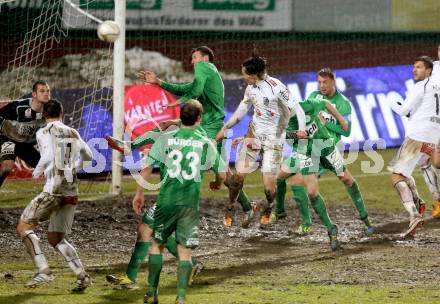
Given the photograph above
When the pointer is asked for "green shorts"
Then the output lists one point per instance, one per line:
(299, 163)
(184, 221)
(332, 162)
(148, 216)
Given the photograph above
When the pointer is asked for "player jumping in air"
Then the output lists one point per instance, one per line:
(273, 106)
(63, 152)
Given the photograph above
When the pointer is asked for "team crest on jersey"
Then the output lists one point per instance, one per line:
(308, 119)
(28, 113)
(266, 101)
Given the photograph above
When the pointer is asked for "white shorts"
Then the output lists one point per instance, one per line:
(50, 207)
(412, 153)
(250, 151)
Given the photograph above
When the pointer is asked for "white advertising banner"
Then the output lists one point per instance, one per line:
(195, 15)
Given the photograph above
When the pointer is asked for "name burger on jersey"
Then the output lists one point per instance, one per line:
(185, 142)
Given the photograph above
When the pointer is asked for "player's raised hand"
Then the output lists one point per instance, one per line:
(149, 77)
(138, 203)
(237, 140)
(214, 186)
(166, 124)
(301, 134)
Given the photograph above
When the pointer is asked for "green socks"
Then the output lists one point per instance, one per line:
(320, 209)
(137, 258)
(243, 200)
(155, 263)
(183, 274)
(357, 199)
(281, 194)
(302, 199)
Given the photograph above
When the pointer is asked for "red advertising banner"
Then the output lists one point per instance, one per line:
(145, 107)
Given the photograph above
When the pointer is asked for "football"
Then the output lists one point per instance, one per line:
(108, 31)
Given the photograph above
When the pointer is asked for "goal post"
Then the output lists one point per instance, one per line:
(118, 94)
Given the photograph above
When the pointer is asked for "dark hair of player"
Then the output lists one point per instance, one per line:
(326, 72)
(190, 112)
(36, 84)
(205, 51)
(52, 109)
(255, 65)
(427, 61)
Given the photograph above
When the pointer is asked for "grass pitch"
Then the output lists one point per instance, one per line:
(241, 266)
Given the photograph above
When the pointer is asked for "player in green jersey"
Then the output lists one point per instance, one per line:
(183, 155)
(304, 162)
(327, 91)
(208, 88)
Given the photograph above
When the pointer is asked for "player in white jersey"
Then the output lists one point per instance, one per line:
(422, 134)
(273, 106)
(429, 173)
(436, 64)
(62, 154)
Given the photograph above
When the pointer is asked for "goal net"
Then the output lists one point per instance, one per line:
(56, 41)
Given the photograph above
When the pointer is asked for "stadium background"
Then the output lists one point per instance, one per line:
(375, 39)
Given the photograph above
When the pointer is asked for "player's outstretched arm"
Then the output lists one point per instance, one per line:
(20, 131)
(414, 97)
(218, 182)
(150, 77)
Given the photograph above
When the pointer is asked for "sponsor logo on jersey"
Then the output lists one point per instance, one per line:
(311, 129)
(28, 113)
(328, 117)
(7, 148)
(26, 129)
(285, 95)
(320, 97)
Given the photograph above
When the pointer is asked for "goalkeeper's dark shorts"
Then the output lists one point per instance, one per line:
(28, 152)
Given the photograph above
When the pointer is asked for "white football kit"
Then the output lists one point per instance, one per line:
(62, 153)
(272, 103)
(423, 128)
(436, 69)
